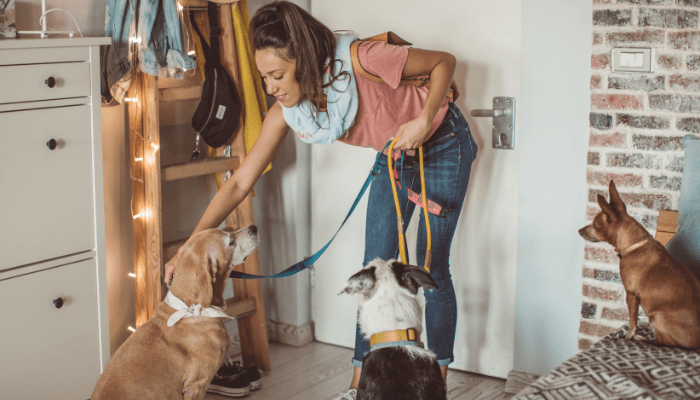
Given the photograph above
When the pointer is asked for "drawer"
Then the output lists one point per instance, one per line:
(46, 196)
(44, 55)
(49, 352)
(29, 82)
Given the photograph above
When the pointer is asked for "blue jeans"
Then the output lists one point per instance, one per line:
(448, 157)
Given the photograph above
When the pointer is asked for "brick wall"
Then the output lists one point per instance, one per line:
(637, 124)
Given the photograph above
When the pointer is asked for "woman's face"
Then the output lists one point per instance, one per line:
(279, 76)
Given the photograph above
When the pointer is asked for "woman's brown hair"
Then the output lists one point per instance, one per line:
(298, 36)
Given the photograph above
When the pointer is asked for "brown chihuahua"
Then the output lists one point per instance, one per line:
(666, 289)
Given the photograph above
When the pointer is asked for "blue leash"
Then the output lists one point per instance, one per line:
(307, 262)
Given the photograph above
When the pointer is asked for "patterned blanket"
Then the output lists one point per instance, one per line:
(615, 368)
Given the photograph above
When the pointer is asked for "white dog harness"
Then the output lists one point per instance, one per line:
(196, 310)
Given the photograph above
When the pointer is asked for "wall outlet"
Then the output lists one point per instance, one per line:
(632, 59)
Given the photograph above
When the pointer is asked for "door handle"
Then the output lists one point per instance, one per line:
(503, 114)
(487, 113)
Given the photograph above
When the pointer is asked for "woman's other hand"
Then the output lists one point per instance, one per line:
(170, 269)
(412, 134)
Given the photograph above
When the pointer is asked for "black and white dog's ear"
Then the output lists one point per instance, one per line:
(360, 282)
(414, 276)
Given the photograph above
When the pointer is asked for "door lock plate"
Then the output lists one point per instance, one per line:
(504, 126)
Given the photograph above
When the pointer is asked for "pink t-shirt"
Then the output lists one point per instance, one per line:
(385, 107)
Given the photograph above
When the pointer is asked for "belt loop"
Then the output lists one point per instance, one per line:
(454, 110)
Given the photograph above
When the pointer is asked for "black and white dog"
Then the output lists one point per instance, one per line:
(397, 366)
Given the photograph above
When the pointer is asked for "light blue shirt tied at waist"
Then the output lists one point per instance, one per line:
(341, 98)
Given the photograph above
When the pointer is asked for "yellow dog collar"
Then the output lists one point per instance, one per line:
(394, 336)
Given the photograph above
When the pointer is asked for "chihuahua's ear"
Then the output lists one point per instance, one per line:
(362, 281)
(607, 209)
(615, 199)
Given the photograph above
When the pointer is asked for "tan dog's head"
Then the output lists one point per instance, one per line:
(206, 262)
(608, 223)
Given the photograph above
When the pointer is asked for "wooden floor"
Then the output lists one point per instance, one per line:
(320, 371)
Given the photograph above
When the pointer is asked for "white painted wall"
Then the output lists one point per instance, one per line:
(554, 124)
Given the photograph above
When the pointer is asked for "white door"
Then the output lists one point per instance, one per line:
(486, 39)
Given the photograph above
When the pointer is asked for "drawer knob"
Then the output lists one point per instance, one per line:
(51, 82)
(58, 302)
(52, 144)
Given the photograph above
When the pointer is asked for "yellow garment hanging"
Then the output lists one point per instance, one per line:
(252, 96)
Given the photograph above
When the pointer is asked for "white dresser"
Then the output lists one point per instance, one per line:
(54, 338)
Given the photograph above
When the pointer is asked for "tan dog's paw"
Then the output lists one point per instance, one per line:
(188, 392)
(631, 334)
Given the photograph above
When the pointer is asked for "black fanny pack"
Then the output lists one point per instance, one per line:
(219, 111)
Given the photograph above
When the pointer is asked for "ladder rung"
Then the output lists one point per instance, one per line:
(198, 168)
(240, 308)
(180, 93)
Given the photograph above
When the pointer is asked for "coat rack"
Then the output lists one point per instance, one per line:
(150, 253)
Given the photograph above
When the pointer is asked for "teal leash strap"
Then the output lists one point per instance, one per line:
(308, 262)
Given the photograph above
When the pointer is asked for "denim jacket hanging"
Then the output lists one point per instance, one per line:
(157, 25)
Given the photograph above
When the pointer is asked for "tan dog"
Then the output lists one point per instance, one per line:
(175, 362)
(667, 291)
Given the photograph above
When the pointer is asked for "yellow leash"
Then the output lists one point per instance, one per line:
(424, 200)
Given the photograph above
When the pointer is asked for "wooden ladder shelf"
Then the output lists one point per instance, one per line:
(146, 93)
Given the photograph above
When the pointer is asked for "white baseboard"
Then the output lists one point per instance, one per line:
(293, 335)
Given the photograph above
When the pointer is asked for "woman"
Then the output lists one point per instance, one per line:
(293, 51)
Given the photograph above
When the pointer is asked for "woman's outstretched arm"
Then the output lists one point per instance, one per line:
(232, 193)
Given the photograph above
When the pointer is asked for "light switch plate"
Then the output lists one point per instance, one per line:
(617, 60)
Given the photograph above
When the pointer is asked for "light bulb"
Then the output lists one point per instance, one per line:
(132, 329)
(138, 159)
(137, 216)
(131, 274)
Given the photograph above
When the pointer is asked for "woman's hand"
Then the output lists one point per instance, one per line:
(170, 269)
(412, 134)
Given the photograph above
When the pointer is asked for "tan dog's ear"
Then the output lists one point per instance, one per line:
(219, 269)
(615, 199)
(204, 280)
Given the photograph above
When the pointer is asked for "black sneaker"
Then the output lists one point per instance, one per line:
(230, 386)
(230, 368)
(254, 377)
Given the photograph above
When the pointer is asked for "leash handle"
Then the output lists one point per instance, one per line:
(424, 197)
(399, 218)
(424, 200)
